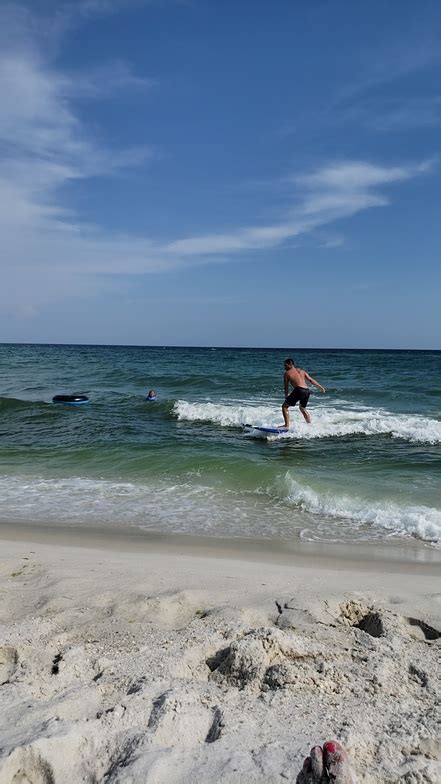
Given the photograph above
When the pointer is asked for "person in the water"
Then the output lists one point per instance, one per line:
(151, 395)
(298, 378)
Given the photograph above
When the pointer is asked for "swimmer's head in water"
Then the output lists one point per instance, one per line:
(151, 393)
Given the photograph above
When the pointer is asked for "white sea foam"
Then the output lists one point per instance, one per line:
(185, 507)
(423, 522)
(193, 507)
(328, 421)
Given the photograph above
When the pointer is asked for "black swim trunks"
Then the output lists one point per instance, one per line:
(298, 395)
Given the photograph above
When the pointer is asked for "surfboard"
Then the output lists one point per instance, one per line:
(272, 430)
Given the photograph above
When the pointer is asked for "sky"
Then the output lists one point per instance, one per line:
(221, 173)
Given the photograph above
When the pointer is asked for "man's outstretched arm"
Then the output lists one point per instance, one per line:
(286, 384)
(313, 381)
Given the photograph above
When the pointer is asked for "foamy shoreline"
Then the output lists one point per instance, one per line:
(173, 661)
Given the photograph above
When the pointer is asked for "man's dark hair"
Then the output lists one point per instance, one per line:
(289, 361)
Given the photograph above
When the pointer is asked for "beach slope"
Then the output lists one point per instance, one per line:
(154, 660)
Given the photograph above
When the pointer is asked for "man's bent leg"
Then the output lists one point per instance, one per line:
(305, 414)
(285, 412)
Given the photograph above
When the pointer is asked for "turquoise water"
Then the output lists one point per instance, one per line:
(368, 468)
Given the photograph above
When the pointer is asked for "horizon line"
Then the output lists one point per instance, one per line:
(217, 347)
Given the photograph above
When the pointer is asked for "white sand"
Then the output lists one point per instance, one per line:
(143, 660)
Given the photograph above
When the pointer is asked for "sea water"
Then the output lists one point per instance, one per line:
(368, 468)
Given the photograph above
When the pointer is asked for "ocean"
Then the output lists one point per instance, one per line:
(366, 470)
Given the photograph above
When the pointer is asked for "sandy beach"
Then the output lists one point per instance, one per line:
(133, 658)
(220, 397)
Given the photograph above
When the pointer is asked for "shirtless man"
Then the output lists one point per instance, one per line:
(298, 379)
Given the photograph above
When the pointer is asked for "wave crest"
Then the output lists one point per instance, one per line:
(422, 522)
(13, 403)
(328, 422)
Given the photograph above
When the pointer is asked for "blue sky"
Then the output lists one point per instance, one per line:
(199, 172)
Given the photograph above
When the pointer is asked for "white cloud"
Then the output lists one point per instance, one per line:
(355, 176)
(38, 121)
(329, 194)
(48, 253)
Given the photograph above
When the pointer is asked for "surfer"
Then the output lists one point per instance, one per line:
(298, 379)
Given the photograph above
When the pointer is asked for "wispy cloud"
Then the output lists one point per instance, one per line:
(328, 194)
(392, 114)
(394, 60)
(371, 98)
(104, 80)
(48, 253)
(332, 241)
(39, 127)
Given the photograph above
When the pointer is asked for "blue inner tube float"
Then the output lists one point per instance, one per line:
(72, 400)
(151, 397)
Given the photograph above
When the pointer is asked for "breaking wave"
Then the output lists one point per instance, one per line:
(196, 508)
(422, 522)
(328, 422)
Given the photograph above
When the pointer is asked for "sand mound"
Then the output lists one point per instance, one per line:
(137, 683)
